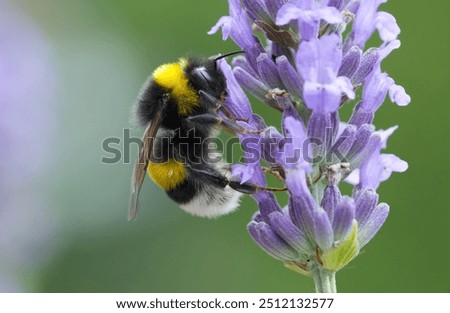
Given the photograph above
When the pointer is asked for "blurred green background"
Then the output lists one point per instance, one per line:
(103, 50)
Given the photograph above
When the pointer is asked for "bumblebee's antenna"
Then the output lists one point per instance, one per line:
(227, 55)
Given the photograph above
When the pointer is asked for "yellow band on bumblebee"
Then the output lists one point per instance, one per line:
(172, 77)
(167, 175)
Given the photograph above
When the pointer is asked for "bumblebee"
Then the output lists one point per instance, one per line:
(178, 106)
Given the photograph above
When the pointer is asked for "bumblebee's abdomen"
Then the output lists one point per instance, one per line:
(185, 192)
(167, 175)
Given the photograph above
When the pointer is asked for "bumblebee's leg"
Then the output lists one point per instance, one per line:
(218, 103)
(231, 126)
(219, 179)
(209, 175)
(210, 99)
(250, 189)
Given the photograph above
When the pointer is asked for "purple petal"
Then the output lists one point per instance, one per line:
(356, 192)
(365, 204)
(369, 59)
(259, 123)
(237, 102)
(301, 213)
(296, 184)
(319, 136)
(323, 231)
(338, 4)
(329, 14)
(398, 95)
(252, 154)
(295, 133)
(374, 223)
(241, 61)
(387, 49)
(235, 7)
(370, 149)
(287, 13)
(251, 83)
(322, 98)
(353, 177)
(360, 116)
(319, 60)
(236, 26)
(378, 167)
(267, 204)
(270, 144)
(391, 163)
(350, 62)
(335, 124)
(257, 217)
(385, 134)
(284, 103)
(364, 24)
(290, 233)
(352, 6)
(331, 197)
(345, 86)
(289, 76)
(264, 236)
(343, 218)
(268, 71)
(387, 26)
(225, 23)
(242, 172)
(241, 32)
(273, 6)
(271, 240)
(375, 91)
(342, 145)
(308, 14)
(256, 10)
(362, 137)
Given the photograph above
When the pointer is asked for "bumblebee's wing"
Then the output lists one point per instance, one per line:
(140, 168)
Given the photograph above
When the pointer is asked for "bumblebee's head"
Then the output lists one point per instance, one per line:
(205, 75)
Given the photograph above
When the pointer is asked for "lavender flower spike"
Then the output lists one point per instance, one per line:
(309, 71)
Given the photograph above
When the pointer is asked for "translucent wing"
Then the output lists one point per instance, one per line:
(140, 168)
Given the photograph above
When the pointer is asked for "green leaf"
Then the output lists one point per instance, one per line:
(341, 255)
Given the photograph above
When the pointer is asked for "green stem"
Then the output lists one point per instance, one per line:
(324, 280)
